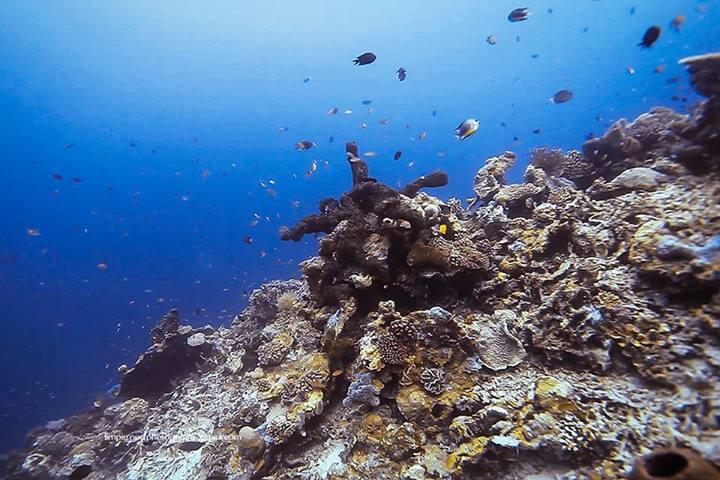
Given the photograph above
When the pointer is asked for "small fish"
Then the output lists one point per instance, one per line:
(253, 223)
(676, 22)
(348, 112)
(519, 14)
(331, 139)
(401, 74)
(313, 166)
(660, 68)
(383, 121)
(332, 111)
(248, 240)
(467, 128)
(133, 144)
(295, 203)
(443, 229)
(562, 96)
(650, 37)
(33, 232)
(535, 55)
(441, 154)
(397, 155)
(434, 113)
(307, 79)
(422, 136)
(283, 129)
(271, 192)
(365, 59)
(630, 70)
(304, 145)
(371, 110)
(69, 146)
(632, 10)
(370, 154)
(537, 131)
(363, 125)
(102, 266)
(77, 180)
(491, 40)
(673, 80)
(366, 102)
(57, 176)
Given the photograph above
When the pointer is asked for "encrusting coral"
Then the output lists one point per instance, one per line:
(563, 327)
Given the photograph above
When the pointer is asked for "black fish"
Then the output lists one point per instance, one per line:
(434, 113)
(77, 179)
(562, 96)
(401, 73)
(248, 240)
(397, 155)
(650, 37)
(519, 14)
(537, 131)
(306, 80)
(331, 139)
(57, 176)
(365, 59)
(366, 102)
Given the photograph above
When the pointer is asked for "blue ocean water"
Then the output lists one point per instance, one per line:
(167, 124)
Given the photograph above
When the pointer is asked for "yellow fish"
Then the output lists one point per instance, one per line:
(467, 128)
(443, 229)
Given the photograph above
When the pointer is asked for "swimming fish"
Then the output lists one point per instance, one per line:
(491, 40)
(630, 69)
(537, 131)
(467, 128)
(365, 59)
(304, 145)
(397, 155)
(307, 79)
(332, 111)
(77, 180)
(660, 68)
(366, 102)
(32, 232)
(650, 37)
(57, 176)
(370, 154)
(348, 112)
(422, 136)
(383, 121)
(401, 73)
(102, 266)
(434, 113)
(331, 139)
(676, 22)
(248, 239)
(283, 129)
(519, 14)
(562, 96)
(443, 229)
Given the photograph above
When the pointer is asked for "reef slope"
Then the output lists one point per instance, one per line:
(562, 326)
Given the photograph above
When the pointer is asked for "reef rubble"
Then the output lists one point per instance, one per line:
(562, 327)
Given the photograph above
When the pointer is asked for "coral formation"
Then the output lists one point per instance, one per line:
(562, 328)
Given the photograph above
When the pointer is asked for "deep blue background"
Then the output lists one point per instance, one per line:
(206, 86)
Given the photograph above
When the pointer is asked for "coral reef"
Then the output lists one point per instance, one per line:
(563, 327)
